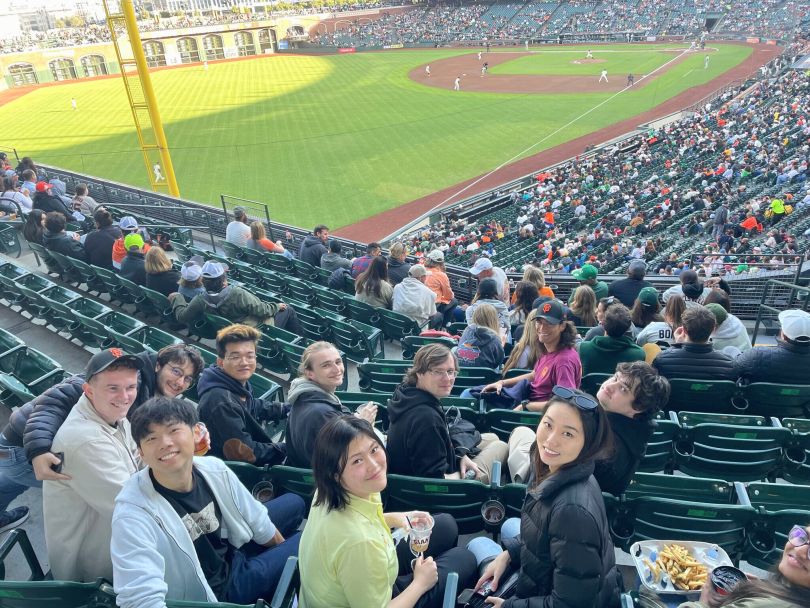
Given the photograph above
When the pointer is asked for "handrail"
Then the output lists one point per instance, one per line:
(793, 291)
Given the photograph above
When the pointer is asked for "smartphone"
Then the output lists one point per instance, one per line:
(465, 597)
(57, 468)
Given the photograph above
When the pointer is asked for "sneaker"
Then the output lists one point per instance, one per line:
(12, 519)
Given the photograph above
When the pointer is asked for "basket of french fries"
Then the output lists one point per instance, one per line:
(676, 567)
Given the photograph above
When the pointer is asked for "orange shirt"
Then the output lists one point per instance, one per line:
(440, 284)
(119, 253)
(545, 291)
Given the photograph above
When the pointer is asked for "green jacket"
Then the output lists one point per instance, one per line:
(233, 303)
(600, 289)
(603, 353)
(746, 603)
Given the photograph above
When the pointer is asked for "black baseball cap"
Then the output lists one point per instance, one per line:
(552, 311)
(101, 361)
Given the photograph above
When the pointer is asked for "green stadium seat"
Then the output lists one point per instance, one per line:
(249, 474)
(328, 299)
(156, 303)
(34, 282)
(270, 355)
(658, 455)
(182, 252)
(779, 400)
(513, 496)
(502, 422)
(9, 341)
(231, 250)
(35, 304)
(779, 507)
(591, 382)
(358, 340)
(117, 291)
(396, 326)
(302, 291)
(384, 376)
(305, 271)
(291, 479)
(69, 272)
(10, 292)
(796, 466)
(45, 256)
(411, 344)
(365, 313)
(91, 332)
(89, 276)
(272, 281)
(126, 343)
(154, 338)
(120, 323)
(286, 594)
(702, 395)
(278, 263)
(60, 316)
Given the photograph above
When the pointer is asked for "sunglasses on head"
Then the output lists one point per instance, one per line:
(582, 400)
(798, 537)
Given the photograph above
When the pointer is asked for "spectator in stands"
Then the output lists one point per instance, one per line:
(313, 402)
(631, 397)
(522, 304)
(419, 442)
(488, 292)
(372, 286)
(232, 302)
(627, 290)
(188, 529)
(438, 281)
(47, 201)
(527, 349)
(535, 275)
(347, 556)
(483, 269)
(314, 245)
(99, 457)
(564, 551)
(34, 229)
(646, 309)
(601, 309)
(128, 225)
(133, 266)
(603, 353)
(361, 264)
(258, 240)
(83, 202)
(332, 259)
(692, 355)
(227, 405)
(559, 363)
(582, 307)
(160, 275)
(481, 344)
(692, 289)
(788, 362)
(662, 332)
(397, 266)
(414, 299)
(587, 276)
(57, 240)
(99, 243)
(730, 331)
(29, 182)
(13, 200)
(191, 282)
(238, 230)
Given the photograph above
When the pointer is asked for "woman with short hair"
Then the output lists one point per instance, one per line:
(258, 240)
(160, 275)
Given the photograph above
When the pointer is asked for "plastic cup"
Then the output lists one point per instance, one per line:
(725, 578)
(419, 534)
(263, 491)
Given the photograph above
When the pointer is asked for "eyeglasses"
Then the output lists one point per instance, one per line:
(249, 358)
(582, 400)
(178, 374)
(798, 537)
(438, 373)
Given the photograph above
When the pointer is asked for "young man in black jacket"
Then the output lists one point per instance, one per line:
(57, 240)
(228, 407)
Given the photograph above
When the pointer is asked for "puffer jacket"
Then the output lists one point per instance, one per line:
(564, 551)
(786, 364)
(312, 248)
(311, 408)
(695, 361)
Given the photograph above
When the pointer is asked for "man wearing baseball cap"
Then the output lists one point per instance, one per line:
(128, 225)
(484, 269)
(587, 276)
(238, 230)
(789, 361)
(416, 300)
(133, 265)
(47, 201)
(98, 456)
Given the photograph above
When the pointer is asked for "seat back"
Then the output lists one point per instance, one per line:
(502, 422)
(780, 400)
(43, 254)
(658, 455)
(702, 395)
(411, 344)
(779, 508)
(396, 326)
(291, 479)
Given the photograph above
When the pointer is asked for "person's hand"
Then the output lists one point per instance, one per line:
(172, 296)
(495, 601)
(42, 468)
(494, 571)
(466, 464)
(282, 306)
(425, 573)
(76, 236)
(494, 387)
(680, 335)
(368, 412)
(518, 408)
(202, 439)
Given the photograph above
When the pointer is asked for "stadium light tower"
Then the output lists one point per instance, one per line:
(141, 96)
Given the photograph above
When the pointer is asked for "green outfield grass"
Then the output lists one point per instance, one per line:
(328, 139)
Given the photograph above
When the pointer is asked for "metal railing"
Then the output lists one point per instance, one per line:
(776, 297)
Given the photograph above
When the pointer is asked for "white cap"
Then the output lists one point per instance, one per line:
(212, 270)
(436, 255)
(480, 266)
(795, 325)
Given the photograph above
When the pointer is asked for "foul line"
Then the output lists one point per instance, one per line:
(565, 126)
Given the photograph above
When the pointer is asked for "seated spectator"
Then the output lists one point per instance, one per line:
(522, 305)
(47, 201)
(232, 302)
(238, 230)
(228, 407)
(347, 555)
(730, 331)
(691, 289)
(788, 362)
(34, 229)
(186, 528)
(100, 242)
(29, 182)
(483, 269)
(332, 259)
(83, 202)
(372, 286)
(535, 276)
(133, 266)
(603, 353)
(419, 441)
(692, 355)
(526, 350)
(631, 398)
(191, 282)
(361, 264)
(488, 294)
(160, 274)
(601, 308)
(587, 276)
(313, 402)
(397, 266)
(98, 457)
(128, 225)
(438, 281)
(12, 199)
(662, 333)
(414, 299)
(627, 290)
(646, 309)
(258, 240)
(582, 307)
(481, 344)
(314, 245)
(57, 240)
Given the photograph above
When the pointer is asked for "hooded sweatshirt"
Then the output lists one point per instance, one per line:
(600, 355)
(229, 410)
(418, 439)
(312, 248)
(311, 408)
(731, 332)
(630, 437)
(233, 303)
(479, 347)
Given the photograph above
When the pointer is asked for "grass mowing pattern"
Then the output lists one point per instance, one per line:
(325, 139)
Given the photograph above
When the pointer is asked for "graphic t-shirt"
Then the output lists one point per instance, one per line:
(561, 367)
(199, 512)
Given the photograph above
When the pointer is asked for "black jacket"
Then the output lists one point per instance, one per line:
(98, 246)
(695, 361)
(397, 271)
(229, 410)
(132, 267)
(564, 551)
(630, 438)
(312, 408)
(626, 290)
(62, 243)
(311, 250)
(418, 440)
(788, 363)
(48, 202)
(164, 282)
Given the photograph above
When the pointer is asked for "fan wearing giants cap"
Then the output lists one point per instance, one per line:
(789, 361)
(484, 269)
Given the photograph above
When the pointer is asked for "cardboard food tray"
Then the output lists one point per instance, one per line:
(708, 554)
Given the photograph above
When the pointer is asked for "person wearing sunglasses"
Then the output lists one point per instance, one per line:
(787, 587)
(563, 550)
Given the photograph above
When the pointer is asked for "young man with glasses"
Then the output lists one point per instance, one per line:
(228, 407)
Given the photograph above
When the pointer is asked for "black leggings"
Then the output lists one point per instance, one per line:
(448, 557)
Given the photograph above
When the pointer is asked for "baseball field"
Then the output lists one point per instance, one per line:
(339, 138)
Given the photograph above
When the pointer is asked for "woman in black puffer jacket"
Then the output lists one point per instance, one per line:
(564, 551)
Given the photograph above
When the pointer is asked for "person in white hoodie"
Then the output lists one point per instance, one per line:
(416, 300)
(186, 528)
(730, 335)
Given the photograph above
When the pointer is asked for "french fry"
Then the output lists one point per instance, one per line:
(685, 572)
